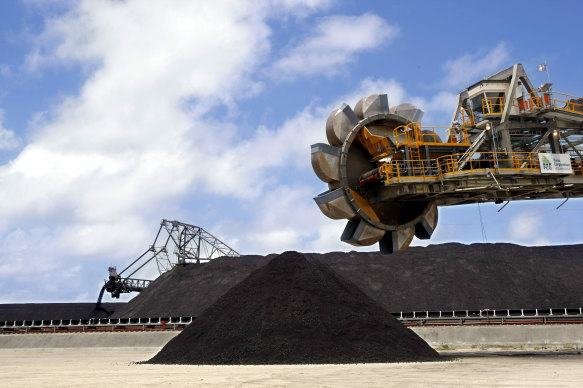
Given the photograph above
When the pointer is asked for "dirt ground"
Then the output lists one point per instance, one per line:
(106, 366)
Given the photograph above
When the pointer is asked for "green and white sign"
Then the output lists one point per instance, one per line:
(555, 164)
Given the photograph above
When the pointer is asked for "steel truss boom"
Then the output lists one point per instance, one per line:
(175, 243)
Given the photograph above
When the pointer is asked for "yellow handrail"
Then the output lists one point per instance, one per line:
(520, 162)
(467, 117)
(551, 100)
(478, 163)
(493, 105)
(534, 101)
(566, 102)
(414, 135)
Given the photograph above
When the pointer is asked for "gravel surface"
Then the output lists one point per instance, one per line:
(86, 367)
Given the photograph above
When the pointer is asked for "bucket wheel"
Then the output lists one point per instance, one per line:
(359, 141)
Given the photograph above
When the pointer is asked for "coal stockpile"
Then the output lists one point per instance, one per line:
(54, 311)
(467, 277)
(438, 277)
(188, 290)
(294, 311)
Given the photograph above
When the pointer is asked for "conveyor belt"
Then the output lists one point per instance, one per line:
(413, 318)
(492, 317)
(95, 325)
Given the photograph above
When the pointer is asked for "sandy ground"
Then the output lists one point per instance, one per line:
(115, 366)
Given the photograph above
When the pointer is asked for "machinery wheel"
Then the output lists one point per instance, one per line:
(357, 141)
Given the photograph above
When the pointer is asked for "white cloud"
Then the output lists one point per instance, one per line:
(335, 42)
(113, 160)
(473, 67)
(263, 157)
(287, 217)
(299, 8)
(270, 151)
(299, 4)
(526, 226)
(284, 216)
(8, 139)
(438, 109)
(394, 90)
(106, 164)
(443, 101)
(125, 142)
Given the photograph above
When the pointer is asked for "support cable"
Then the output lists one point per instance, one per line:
(484, 238)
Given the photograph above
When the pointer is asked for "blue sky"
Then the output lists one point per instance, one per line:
(116, 114)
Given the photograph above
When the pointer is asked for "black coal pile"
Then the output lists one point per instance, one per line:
(54, 311)
(467, 277)
(294, 311)
(438, 277)
(188, 290)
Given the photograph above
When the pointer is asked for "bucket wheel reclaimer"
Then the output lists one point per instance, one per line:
(361, 141)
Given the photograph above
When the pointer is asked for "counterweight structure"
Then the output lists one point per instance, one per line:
(387, 174)
(175, 243)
